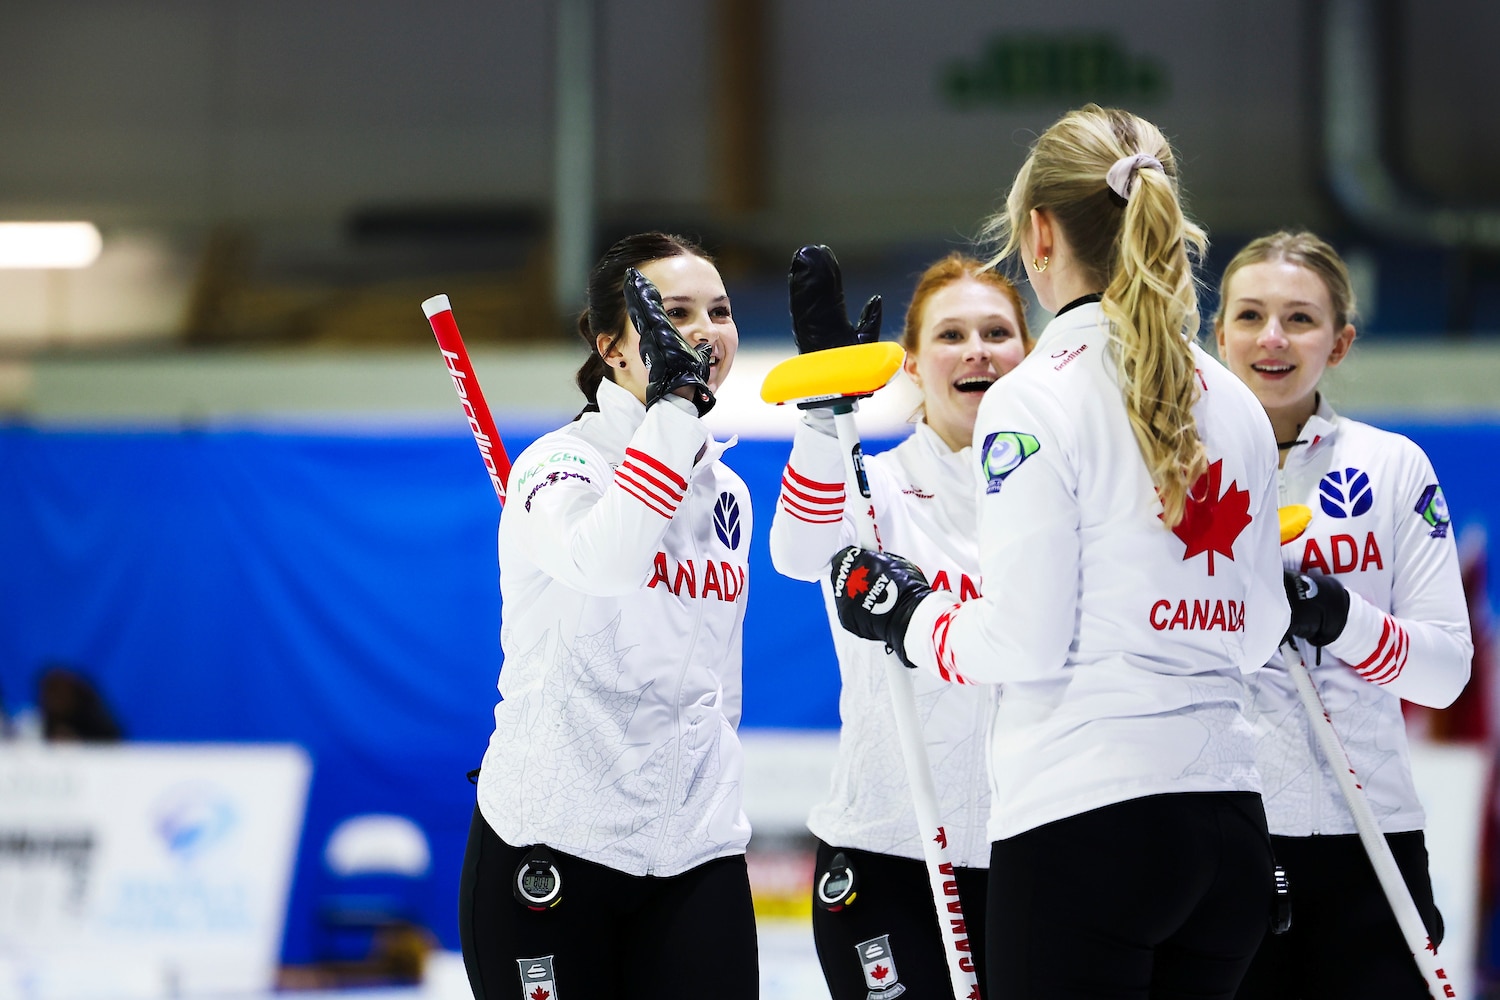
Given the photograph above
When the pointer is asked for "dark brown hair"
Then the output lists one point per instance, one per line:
(605, 313)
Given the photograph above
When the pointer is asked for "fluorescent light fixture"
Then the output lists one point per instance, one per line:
(49, 244)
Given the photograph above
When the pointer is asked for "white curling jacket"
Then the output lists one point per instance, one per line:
(623, 582)
(924, 495)
(1380, 525)
(1119, 644)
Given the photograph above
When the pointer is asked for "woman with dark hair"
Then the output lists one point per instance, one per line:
(965, 328)
(1128, 541)
(1375, 587)
(73, 709)
(606, 853)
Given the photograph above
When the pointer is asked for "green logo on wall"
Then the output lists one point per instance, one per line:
(1044, 69)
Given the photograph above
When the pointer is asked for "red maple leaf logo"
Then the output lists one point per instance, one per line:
(973, 994)
(858, 582)
(539, 994)
(879, 972)
(1212, 521)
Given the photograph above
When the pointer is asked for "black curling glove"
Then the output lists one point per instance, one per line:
(876, 594)
(1320, 606)
(820, 319)
(671, 362)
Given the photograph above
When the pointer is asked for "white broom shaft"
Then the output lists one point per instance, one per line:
(948, 910)
(1381, 858)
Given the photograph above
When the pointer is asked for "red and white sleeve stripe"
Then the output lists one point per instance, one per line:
(651, 482)
(947, 666)
(1389, 659)
(809, 500)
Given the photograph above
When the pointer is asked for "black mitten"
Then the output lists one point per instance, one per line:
(819, 318)
(671, 362)
(1320, 606)
(876, 594)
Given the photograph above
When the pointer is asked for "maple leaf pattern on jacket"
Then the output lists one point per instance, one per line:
(587, 705)
(1215, 750)
(1212, 521)
(539, 994)
(1295, 791)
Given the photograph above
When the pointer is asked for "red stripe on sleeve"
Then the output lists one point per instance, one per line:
(1390, 668)
(1385, 636)
(624, 474)
(646, 498)
(812, 484)
(808, 516)
(832, 500)
(645, 478)
(664, 470)
(815, 510)
(947, 667)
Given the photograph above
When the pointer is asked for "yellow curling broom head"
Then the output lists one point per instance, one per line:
(837, 373)
(1295, 518)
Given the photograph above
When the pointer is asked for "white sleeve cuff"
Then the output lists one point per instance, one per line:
(820, 420)
(918, 641)
(683, 404)
(1361, 633)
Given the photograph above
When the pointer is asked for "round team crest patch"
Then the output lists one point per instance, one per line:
(1004, 451)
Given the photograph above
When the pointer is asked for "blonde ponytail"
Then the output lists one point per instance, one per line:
(1152, 305)
(1140, 250)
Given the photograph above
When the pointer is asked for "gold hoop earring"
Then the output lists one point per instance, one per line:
(1042, 264)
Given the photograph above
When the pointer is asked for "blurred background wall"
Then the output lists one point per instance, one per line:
(269, 171)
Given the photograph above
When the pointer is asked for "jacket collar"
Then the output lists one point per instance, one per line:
(1087, 317)
(936, 450)
(1319, 429)
(621, 415)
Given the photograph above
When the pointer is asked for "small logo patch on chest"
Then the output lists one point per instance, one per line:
(1345, 494)
(727, 520)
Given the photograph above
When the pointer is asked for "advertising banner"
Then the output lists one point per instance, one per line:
(145, 870)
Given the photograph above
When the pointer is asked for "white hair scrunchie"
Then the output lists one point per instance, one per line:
(1121, 176)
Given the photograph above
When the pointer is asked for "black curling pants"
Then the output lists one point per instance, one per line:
(612, 936)
(893, 899)
(1344, 943)
(1158, 898)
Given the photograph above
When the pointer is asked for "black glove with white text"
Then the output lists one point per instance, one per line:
(820, 319)
(876, 594)
(1320, 606)
(671, 362)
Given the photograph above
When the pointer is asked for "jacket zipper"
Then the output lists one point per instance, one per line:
(1315, 817)
(978, 759)
(667, 809)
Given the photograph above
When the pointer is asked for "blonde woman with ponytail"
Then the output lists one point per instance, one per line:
(1129, 550)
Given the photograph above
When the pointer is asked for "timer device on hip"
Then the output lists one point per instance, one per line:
(537, 884)
(835, 888)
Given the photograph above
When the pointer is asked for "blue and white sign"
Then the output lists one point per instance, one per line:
(143, 871)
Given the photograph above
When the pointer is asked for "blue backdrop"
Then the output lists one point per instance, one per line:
(338, 590)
